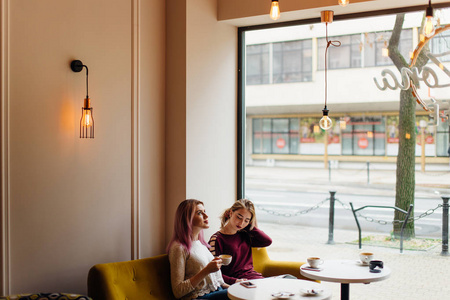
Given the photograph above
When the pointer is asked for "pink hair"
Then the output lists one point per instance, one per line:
(182, 227)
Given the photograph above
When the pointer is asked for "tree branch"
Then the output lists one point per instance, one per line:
(394, 53)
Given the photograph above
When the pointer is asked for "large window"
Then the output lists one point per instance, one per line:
(257, 64)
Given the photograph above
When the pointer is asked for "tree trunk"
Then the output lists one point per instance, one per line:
(405, 185)
(406, 181)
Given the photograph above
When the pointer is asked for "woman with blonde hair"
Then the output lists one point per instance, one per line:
(194, 272)
(237, 235)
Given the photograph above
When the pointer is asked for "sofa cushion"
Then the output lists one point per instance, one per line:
(45, 296)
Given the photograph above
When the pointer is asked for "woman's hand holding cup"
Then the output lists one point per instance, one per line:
(214, 265)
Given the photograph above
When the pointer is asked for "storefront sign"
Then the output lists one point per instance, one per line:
(363, 143)
(365, 120)
(281, 143)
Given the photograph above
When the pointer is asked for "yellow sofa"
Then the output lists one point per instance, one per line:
(149, 278)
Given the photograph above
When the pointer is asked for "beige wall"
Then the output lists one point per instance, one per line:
(70, 199)
(211, 109)
(200, 109)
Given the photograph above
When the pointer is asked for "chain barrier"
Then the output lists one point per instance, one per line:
(383, 222)
(346, 207)
(302, 212)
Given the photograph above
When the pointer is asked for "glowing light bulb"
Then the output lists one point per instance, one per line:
(428, 28)
(87, 119)
(325, 123)
(343, 3)
(275, 10)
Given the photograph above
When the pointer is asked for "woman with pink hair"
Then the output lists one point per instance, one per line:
(194, 272)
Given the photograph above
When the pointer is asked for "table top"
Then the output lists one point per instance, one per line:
(345, 271)
(268, 286)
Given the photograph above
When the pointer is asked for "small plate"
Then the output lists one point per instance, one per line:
(311, 292)
(283, 295)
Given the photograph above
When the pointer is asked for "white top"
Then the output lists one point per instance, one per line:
(268, 286)
(345, 271)
(185, 265)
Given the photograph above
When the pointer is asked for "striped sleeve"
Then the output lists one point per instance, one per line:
(212, 243)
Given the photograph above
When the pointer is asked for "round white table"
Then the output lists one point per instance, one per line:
(345, 272)
(268, 286)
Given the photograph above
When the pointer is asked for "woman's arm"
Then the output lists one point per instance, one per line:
(181, 286)
(259, 238)
(177, 259)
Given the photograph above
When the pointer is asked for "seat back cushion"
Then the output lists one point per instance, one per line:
(141, 279)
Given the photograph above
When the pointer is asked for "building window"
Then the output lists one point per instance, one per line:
(275, 136)
(440, 46)
(292, 61)
(257, 64)
(347, 55)
(376, 41)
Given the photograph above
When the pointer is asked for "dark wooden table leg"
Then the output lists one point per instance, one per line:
(345, 291)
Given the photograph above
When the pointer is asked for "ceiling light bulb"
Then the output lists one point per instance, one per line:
(343, 3)
(325, 123)
(429, 27)
(275, 10)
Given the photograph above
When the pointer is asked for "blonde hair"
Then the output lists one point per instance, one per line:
(239, 204)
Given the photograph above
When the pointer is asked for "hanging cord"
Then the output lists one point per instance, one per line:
(87, 81)
(334, 44)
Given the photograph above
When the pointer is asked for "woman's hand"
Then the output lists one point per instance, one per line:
(214, 265)
(241, 279)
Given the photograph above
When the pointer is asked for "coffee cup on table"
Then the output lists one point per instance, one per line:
(365, 257)
(314, 262)
(226, 259)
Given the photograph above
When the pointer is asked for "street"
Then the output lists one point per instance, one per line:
(299, 197)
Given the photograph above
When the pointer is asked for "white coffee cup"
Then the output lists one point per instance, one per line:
(226, 259)
(314, 262)
(365, 257)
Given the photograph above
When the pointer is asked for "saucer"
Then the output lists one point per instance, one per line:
(311, 292)
(358, 262)
(283, 295)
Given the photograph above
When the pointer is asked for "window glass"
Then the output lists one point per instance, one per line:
(257, 61)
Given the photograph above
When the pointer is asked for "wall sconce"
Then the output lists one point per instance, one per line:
(429, 27)
(87, 112)
(343, 3)
(275, 10)
(327, 17)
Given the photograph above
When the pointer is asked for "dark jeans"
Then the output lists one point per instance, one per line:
(219, 294)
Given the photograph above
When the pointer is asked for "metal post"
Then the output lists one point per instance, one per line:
(331, 221)
(445, 225)
(368, 172)
(329, 171)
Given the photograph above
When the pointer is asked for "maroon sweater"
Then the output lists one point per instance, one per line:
(239, 246)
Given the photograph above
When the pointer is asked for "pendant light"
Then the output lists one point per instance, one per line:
(275, 10)
(429, 27)
(327, 17)
(87, 118)
(343, 3)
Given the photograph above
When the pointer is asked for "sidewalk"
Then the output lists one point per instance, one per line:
(380, 182)
(416, 275)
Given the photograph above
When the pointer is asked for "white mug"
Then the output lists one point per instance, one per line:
(365, 257)
(226, 259)
(314, 262)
